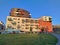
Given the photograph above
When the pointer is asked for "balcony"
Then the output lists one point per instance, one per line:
(18, 27)
(10, 19)
(14, 23)
(31, 21)
(36, 21)
(9, 27)
(23, 21)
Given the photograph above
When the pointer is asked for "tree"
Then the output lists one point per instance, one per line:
(30, 29)
(42, 29)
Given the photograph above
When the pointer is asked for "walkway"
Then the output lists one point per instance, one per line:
(58, 36)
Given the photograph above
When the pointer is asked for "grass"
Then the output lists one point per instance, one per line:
(27, 39)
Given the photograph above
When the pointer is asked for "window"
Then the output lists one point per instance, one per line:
(36, 21)
(32, 25)
(27, 20)
(14, 18)
(18, 18)
(22, 25)
(22, 28)
(18, 14)
(27, 24)
(36, 27)
(13, 28)
(27, 28)
(9, 26)
(45, 19)
(18, 22)
(22, 12)
(18, 10)
(14, 23)
(23, 20)
(18, 27)
(50, 19)
(10, 19)
(32, 21)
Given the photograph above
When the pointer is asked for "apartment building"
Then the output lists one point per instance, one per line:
(20, 19)
(24, 24)
(46, 23)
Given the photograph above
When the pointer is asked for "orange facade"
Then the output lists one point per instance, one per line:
(47, 25)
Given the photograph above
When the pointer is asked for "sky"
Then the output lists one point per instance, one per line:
(37, 8)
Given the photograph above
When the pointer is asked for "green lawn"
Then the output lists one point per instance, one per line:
(27, 39)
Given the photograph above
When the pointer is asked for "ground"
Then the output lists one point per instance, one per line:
(28, 39)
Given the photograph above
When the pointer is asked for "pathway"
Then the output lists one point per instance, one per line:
(58, 36)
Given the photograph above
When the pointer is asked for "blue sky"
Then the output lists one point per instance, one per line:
(37, 8)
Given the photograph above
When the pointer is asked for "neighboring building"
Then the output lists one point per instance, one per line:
(46, 23)
(24, 22)
(2, 26)
(56, 28)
